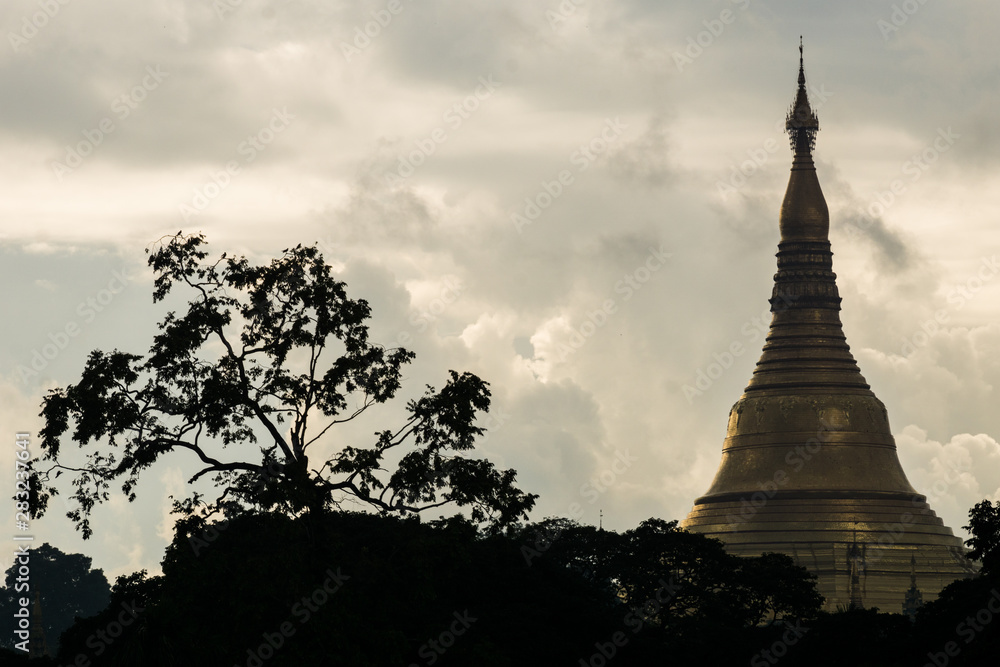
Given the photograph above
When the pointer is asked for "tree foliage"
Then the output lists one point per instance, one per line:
(551, 593)
(67, 586)
(394, 586)
(402, 585)
(984, 524)
(675, 580)
(263, 363)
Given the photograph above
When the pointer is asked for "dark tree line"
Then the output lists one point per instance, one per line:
(385, 590)
(393, 591)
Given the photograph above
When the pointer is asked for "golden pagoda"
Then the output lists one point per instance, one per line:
(809, 465)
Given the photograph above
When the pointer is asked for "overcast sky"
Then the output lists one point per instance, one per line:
(576, 201)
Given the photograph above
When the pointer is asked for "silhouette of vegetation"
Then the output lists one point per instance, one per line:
(265, 361)
(372, 591)
(690, 577)
(681, 588)
(270, 589)
(375, 590)
(984, 524)
(68, 588)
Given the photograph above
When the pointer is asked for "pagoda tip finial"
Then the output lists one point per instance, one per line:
(801, 122)
(802, 68)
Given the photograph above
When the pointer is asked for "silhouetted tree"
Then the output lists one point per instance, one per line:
(966, 613)
(677, 590)
(377, 590)
(773, 588)
(68, 589)
(984, 524)
(673, 577)
(120, 634)
(263, 363)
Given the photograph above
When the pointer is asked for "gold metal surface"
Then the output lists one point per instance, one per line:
(809, 460)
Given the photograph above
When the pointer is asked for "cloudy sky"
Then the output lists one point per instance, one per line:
(577, 201)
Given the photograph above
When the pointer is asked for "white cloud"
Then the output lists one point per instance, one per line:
(954, 475)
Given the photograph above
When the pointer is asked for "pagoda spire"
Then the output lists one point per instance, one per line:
(914, 599)
(809, 462)
(806, 347)
(38, 647)
(855, 556)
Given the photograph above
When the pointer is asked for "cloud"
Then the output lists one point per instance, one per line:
(862, 222)
(646, 158)
(954, 475)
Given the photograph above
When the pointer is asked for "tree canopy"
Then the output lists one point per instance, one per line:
(67, 586)
(676, 580)
(984, 524)
(262, 364)
(395, 591)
